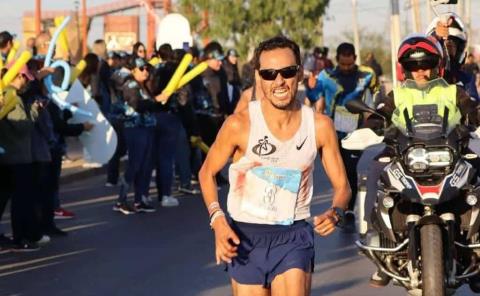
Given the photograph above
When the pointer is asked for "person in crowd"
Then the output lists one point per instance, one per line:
(470, 66)
(139, 50)
(452, 35)
(6, 44)
(371, 62)
(330, 91)
(139, 131)
(233, 77)
(16, 129)
(30, 46)
(100, 90)
(215, 79)
(121, 74)
(248, 74)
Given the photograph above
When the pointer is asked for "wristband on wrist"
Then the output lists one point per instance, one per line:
(213, 207)
(214, 216)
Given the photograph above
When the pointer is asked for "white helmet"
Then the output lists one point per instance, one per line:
(456, 30)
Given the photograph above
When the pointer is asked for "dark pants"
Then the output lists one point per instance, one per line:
(113, 168)
(44, 205)
(182, 158)
(350, 160)
(6, 184)
(165, 145)
(139, 142)
(24, 219)
(54, 178)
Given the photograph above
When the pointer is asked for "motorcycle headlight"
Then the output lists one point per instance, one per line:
(421, 159)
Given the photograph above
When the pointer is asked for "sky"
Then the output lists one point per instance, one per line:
(373, 15)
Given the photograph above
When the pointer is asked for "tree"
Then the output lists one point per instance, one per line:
(245, 23)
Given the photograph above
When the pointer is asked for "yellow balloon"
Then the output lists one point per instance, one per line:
(13, 52)
(13, 71)
(77, 70)
(1, 82)
(11, 100)
(182, 67)
(192, 74)
(62, 39)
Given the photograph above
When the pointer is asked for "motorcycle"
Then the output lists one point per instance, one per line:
(423, 231)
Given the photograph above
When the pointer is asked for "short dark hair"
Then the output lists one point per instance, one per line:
(274, 43)
(345, 49)
(165, 52)
(5, 38)
(211, 47)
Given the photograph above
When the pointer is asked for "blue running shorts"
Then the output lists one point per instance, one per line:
(266, 251)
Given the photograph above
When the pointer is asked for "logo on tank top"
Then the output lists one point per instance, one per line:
(264, 148)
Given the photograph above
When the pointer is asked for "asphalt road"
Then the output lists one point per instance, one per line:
(169, 252)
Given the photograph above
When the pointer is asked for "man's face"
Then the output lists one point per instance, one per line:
(280, 91)
(421, 76)
(346, 63)
(214, 64)
(451, 47)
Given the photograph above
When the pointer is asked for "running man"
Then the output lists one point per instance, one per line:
(268, 245)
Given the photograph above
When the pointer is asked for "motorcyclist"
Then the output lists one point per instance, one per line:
(450, 31)
(420, 61)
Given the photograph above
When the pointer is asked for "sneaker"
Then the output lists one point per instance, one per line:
(143, 207)
(123, 208)
(61, 214)
(26, 246)
(169, 201)
(56, 232)
(188, 190)
(379, 279)
(108, 184)
(45, 239)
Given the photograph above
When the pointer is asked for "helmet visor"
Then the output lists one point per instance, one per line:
(423, 64)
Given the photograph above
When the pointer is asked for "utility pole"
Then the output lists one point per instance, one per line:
(428, 10)
(460, 9)
(417, 23)
(150, 28)
(38, 17)
(395, 37)
(356, 37)
(84, 28)
(468, 21)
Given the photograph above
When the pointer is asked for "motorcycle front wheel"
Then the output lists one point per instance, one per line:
(433, 283)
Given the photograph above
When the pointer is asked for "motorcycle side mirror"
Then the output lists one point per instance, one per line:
(358, 106)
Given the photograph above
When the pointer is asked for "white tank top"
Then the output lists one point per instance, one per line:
(273, 182)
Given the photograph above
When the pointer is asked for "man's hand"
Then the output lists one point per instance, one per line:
(224, 236)
(42, 73)
(162, 98)
(325, 223)
(441, 29)
(87, 126)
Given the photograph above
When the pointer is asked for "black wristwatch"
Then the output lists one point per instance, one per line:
(340, 214)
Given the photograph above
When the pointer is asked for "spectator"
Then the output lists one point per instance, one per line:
(6, 44)
(233, 77)
(371, 62)
(139, 50)
(470, 66)
(248, 74)
(215, 79)
(100, 83)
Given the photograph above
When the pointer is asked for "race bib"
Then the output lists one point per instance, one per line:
(270, 194)
(345, 121)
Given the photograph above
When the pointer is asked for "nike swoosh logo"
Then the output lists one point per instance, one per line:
(301, 145)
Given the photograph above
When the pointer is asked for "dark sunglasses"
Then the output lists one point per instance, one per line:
(415, 65)
(142, 68)
(271, 74)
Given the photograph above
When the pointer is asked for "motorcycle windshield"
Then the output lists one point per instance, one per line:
(425, 121)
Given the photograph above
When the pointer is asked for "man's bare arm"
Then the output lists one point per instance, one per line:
(332, 162)
(224, 146)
